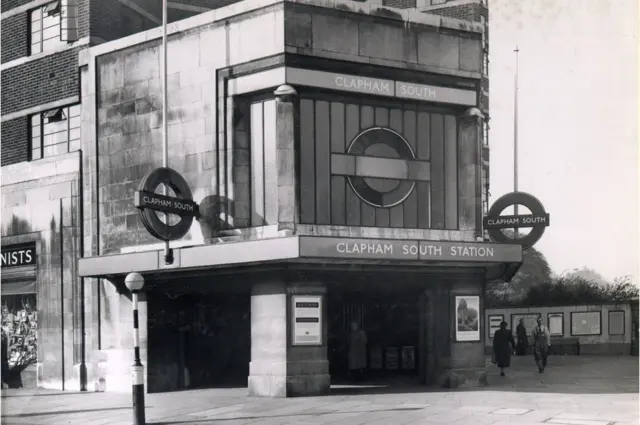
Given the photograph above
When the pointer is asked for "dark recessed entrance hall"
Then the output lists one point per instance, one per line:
(388, 310)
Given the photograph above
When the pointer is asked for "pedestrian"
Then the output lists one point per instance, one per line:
(541, 343)
(5, 360)
(503, 346)
(357, 352)
(523, 339)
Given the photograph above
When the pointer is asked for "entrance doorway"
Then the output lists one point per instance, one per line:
(198, 340)
(391, 322)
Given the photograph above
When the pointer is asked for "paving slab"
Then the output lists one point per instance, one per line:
(580, 390)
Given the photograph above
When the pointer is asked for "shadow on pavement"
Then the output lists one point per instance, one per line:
(64, 412)
(249, 418)
(564, 375)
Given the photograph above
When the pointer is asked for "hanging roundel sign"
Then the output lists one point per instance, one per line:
(385, 169)
(150, 203)
(538, 220)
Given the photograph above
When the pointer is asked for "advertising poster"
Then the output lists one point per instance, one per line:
(494, 324)
(307, 320)
(468, 318)
(375, 358)
(408, 357)
(391, 360)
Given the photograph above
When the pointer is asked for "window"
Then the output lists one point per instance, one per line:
(45, 28)
(55, 132)
(485, 64)
(485, 133)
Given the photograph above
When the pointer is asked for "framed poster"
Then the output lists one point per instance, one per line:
(530, 321)
(467, 318)
(585, 323)
(556, 324)
(616, 322)
(375, 358)
(494, 323)
(408, 358)
(391, 358)
(307, 319)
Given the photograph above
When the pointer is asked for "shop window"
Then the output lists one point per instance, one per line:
(19, 325)
(55, 132)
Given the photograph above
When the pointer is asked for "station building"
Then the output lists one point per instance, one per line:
(337, 155)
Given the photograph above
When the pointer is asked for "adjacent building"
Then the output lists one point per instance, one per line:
(339, 158)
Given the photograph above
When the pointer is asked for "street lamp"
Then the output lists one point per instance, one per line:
(135, 282)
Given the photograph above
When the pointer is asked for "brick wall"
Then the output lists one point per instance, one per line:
(15, 37)
(51, 78)
(468, 12)
(400, 4)
(11, 4)
(15, 147)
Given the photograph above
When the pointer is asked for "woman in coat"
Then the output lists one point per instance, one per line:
(503, 346)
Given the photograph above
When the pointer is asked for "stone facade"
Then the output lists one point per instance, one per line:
(41, 204)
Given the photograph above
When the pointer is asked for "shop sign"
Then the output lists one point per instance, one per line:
(390, 249)
(307, 319)
(150, 203)
(538, 220)
(18, 255)
(380, 87)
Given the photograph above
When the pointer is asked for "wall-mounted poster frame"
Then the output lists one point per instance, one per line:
(575, 318)
(552, 330)
(306, 320)
(494, 324)
(467, 324)
(529, 322)
(624, 325)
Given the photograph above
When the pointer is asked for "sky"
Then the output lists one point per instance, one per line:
(578, 125)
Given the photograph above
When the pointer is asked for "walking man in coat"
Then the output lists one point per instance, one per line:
(541, 343)
(503, 347)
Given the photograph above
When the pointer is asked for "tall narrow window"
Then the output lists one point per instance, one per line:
(45, 28)
(55, 132)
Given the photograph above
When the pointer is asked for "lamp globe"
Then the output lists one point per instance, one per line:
(134, 281)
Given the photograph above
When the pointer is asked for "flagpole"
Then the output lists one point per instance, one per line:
(515, 133)
(165, 153)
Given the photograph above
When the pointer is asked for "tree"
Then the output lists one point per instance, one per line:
(534, 271)
(588, 274)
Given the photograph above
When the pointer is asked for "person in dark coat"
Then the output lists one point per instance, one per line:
(523, 340)
(5, 359)
(503, 346)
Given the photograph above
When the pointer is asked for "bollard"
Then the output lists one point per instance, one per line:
(135, 282)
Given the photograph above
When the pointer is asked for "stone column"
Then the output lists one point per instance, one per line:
(279, 368)
(285, 131)
(467, 361)
(268, 366)
(307, 366)
(470, 171)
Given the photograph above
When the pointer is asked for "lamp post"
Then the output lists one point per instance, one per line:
(135, 282)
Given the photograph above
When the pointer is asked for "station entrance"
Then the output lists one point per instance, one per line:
(198, 338)
(390, 316)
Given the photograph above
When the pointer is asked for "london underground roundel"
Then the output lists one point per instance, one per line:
(385, 167)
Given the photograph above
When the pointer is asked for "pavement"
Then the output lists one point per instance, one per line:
(584, 390)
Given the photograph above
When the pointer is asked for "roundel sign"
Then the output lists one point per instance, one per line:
(538, 220)
(385, 169)
(150, 203)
